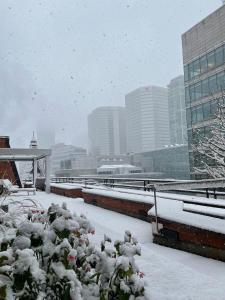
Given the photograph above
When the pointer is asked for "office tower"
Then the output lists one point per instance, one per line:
(107, 131)
(147, 119)
(204, 76)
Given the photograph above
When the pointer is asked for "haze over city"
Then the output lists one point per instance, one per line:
(61, 59)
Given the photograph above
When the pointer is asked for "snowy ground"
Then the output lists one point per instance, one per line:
(169, 274)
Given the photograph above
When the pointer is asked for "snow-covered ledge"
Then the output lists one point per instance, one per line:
(120, 195)
(173, 211)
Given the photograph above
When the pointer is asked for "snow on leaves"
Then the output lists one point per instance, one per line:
(49, 256)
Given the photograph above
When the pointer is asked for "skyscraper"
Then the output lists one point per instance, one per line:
(107, 131)
(45, 136)
(204, 76)
(147, 119)
(177, 111)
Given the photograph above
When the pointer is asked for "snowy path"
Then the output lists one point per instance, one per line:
(170, 274)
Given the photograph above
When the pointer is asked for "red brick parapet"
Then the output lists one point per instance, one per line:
(190, 238)
(8, 169)
(134, 209)
(72, 192)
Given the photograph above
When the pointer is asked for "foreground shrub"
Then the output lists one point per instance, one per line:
(49, 256)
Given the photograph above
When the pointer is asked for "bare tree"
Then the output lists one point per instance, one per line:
(210, 148)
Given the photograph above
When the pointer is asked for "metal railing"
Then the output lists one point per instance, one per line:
(130, 183)
(191, 185)
(145, 183)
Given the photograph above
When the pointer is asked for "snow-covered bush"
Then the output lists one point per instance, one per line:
(49, 256)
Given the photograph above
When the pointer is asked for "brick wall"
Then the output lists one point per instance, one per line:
(72, 193)
(192, 239)
(8, 169)
(131, 208)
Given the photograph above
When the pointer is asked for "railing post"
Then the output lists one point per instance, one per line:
(156, 213)
(144, 185)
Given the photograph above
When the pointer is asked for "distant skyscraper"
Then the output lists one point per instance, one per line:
(33, 142)
(177, 111)
(45, 136)
(147, 119)
(107, 131)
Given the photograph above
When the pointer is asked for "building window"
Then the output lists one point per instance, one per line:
(199, 113)
(191, 70)
(196, 68)
(219, 55)
(198, 91)
(187, 96)
(206, 110)
(214, 107)
(206, 62)
(194, 115)
(212, 84)
(203, 64)
(192, 93)
(205, 88)
(186, 73)
(221, 81)
(211, 60)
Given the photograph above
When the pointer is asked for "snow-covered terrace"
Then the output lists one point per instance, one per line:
(169, 274)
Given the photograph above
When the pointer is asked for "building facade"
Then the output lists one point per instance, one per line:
(65, 156)
(107, 131)
(147, 119)
(171, 162)
(177, 111)
(204, 76)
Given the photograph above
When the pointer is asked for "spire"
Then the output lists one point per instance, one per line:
(33, 142)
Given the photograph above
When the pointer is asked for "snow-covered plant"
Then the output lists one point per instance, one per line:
(49, 256)
(124, 282)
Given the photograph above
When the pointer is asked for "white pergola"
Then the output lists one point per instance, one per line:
(14, 154)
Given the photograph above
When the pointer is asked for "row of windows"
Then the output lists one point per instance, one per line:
(204, 88)
(203, 111)
(205, 63)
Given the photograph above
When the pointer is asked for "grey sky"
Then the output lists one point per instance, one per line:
(62, 58)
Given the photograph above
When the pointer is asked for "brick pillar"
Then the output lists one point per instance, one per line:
(8, 169)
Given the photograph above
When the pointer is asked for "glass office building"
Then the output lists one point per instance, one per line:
(177, 111)
(204, 78)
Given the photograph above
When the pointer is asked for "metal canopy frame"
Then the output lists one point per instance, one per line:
(18, 154)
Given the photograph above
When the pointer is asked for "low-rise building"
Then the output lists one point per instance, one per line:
(118, 169)
(65, 156)
(170, 162)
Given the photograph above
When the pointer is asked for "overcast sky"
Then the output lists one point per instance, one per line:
(62, 58)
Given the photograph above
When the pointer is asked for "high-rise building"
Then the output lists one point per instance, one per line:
(147, 119)
(177, 111)
(107, 131)
(204, 76)
(45, 136)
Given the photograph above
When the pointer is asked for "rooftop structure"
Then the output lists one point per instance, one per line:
(118, 169)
